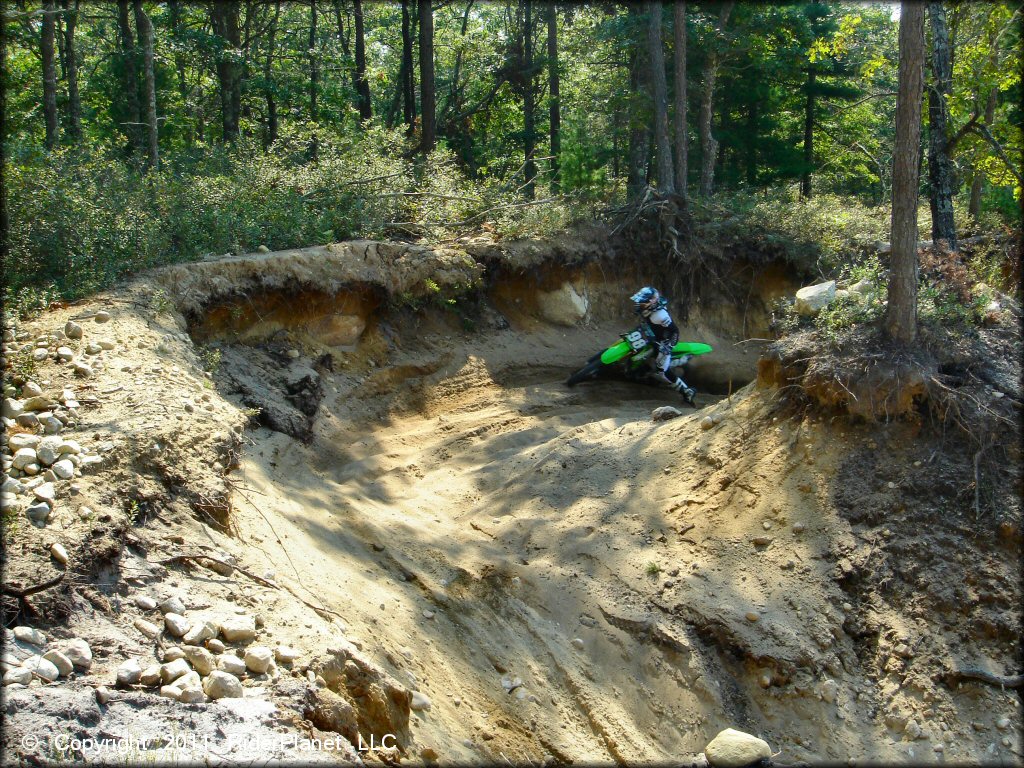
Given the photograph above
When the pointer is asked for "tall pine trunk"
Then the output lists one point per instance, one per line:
(529, 115)
(362, 84)
(805, 177)
(681, 139)
(978, 178)
(663, 147)
(174, 6)
(901, 315)
(225, 25)
(554, 98)
(427, 93)
(49, 74)
(145, 28)
(314, 64)
(131, 79)
(941, 173)
(408, 81)
(74, 99)
(708, 143)
(639, 140)
(268, 80)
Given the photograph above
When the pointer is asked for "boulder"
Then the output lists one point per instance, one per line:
(222, 685)
(200, 633)
(172, 670)
(230, 663)
(30, 635)
(258, 659)
(42, 668)
(563, 306)
(200, 658)
(239, 629)
(735, 749)
(176, 624)
(60, 661)
(811, 299)
(338, 330)
(129, 673)
(80, 654)
(19, 675)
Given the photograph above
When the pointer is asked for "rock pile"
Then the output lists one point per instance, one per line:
(27, 655)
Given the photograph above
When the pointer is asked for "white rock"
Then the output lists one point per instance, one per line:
(39, 513)
(172, 605)
(31, 389)
(48, 449)
(148, 628)
(23, 458)
(30, 635)
(102, 695)
(215, 646)
(238, 629)
(106, 344)
(173, 653)
(733, 749)
(73, 330)
(64, 469)
(193, 694)
(564, 305)
(200, 632)
(283, 654)
(69, 446)
(59, 554)
(170, 692)
(189, 680)
(19, 675)
(150, 676)
(828, 689)
(65, 353)
(13, 408)
(258, 659)
(19, 441)
(45, 492)
(129, 673)
(912, 730)
(577, 642)
(81, 368)
(60, 661)
(420, 702)
(221, 685)
(80, 654)
(145, 602)
(172, 670)
(200, 658)
(862, 287)
(811, 299)
(176, 624)
(228, 662)
(102, 316)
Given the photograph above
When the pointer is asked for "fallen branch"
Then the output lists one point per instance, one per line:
(21, 594)
(1003, 681)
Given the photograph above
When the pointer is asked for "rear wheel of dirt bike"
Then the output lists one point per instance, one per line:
(585, 373)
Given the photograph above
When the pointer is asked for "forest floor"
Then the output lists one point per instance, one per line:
(488, 566)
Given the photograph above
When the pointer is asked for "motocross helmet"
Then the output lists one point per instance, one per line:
(646, 300)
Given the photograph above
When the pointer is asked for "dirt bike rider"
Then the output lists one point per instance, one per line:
(662, 333)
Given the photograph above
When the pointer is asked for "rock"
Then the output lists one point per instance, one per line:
(102, 316)
(52, 425)
(751, 616)
(65, 353)
(192, 694)
(72, 330)
(93, 348)
(80, 654)
(176, 624)
(665, 412)
(239, 629)
(45, 492)
(173, 654)
(64, 469)
(59, 554)
(31, 389)
(798, 527)
(69, 446)
(145, 602)
(30, 635)
(189, 680)
(39, 403)
(39, 513)
(39, 354)
(258, 659)
(862, 287)
(201, 659)
(27, 420)
(18, 441)
(222, 685)
(148, 628)
(285, 655)
(811, 299)
(733, 749)
(106, 344)
(563, 306)
(1003, 723)
(172, 605)
(171, 692)
(172, 670)
(150, 676)
(60, 661)
(12, 408)
(420, 702)
(577, 642)
(129, 673)
(215, 646)
(81, 369)
(707, 423)
(199, 633)
(19, 675)
(23, 457)
(102, 695)
(912, 730)
(228, 662)
(828, 690)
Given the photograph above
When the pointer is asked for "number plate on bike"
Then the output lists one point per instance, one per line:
(636, 340)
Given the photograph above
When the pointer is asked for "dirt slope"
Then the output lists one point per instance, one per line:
(491, 565)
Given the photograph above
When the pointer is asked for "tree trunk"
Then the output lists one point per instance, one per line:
(174, 6)
(529, 115)
(639, 141)
(131, 79)
(225, 24)
(663, 146)
(901, 316)
(682, 148)
(408, 85)
(805, 177)
(978, 180)
(941, 173)
(750, 161)
(708, 143)
(427, 97)
(268, 80)
(314, 64)
(74, 99)
(362, 84)
(49, 74)
(145, 28)
(554, 98)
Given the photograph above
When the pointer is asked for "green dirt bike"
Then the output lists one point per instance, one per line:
(630, 359)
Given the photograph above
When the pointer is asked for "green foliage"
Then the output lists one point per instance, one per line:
(210, 359)
(653, 569)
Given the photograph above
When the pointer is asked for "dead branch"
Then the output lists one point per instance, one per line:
(1003, 681)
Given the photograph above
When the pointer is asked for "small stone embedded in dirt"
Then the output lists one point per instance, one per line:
(65, 353)
(751, 616)
(798, 527)
(39, 513)
(284, 654)
(707, 423)
(238, 629)
(176, 624)
(129, 673)
(31, 389)
(145, 602)
(80, 654)
(735, 749)
(665, 412)
(59, 554)
(828, 690)
(222, 685)
(913, 730)
(577, 642)
(173, 605)
(30, 635)
(81, 368)
(420, 702)
(148, 628)
(258, 659)
(72, 330)
(1003, 723)
(106, 344)
(102, 316)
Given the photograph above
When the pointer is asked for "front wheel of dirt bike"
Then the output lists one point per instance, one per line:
(585, 373)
